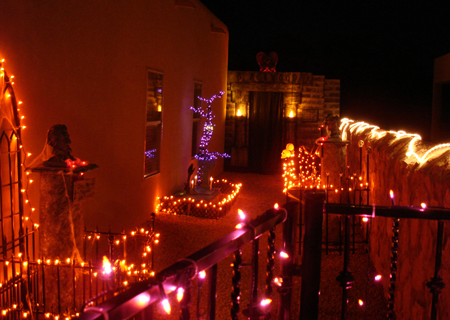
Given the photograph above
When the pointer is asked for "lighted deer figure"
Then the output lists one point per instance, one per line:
(204, 156)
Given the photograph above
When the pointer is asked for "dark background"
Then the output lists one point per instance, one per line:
(383, 52)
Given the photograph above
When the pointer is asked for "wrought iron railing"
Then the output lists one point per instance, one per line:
(315, 206)
(35, 286)
(139, 299)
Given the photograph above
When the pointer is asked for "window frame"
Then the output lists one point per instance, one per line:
(196, 120)
(153, 122)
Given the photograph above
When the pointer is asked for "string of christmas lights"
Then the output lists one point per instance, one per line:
(174, 205)
(308, 165)
(9, 104)
(129, 272)
(377, 133)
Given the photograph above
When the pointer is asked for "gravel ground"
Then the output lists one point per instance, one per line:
(184, 235)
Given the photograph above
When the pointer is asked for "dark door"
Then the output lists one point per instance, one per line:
(265, 132)
(445, 114)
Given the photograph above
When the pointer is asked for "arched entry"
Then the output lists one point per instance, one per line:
(265, 132)
(12, 192)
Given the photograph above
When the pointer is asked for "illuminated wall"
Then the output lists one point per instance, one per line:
(417, 173)
(84, 64)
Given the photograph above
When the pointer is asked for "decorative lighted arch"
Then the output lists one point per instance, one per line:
(377, 133)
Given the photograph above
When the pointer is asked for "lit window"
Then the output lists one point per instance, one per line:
(153, 123)
(196, 127)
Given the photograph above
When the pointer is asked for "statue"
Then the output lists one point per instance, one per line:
(332, 124)
(58, 139)
(267, 63)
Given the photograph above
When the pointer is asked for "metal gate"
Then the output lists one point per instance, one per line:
(14, 247)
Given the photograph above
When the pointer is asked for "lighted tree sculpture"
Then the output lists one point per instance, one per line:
(204, 156)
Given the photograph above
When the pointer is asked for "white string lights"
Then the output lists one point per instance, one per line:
(376, 133)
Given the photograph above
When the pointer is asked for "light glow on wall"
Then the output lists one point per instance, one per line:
(377, 133)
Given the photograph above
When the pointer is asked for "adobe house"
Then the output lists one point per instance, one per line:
(267, 110)
(121, 76)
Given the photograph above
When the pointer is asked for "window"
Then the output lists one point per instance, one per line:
(196, 125)
(153, 124)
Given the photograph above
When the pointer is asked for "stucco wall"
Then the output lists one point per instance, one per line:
(84, 64)
(412, 183)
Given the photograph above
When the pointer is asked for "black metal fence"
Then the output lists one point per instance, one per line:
(57, 289)
(138, 301)
(313, 242)
(353, 190)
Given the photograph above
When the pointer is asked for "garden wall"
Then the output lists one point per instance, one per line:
(400, 162)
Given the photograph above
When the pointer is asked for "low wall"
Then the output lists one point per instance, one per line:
(417, 173)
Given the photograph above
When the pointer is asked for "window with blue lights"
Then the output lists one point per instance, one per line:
(196, 126)
(153, 123)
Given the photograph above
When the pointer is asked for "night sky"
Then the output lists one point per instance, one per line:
(383, 52)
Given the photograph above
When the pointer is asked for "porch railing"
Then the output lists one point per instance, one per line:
(139, 299)
(345, 277)
(37, 287)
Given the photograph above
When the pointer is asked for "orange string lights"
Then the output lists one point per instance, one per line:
(12, 116)
(308, 169)
(213, 209)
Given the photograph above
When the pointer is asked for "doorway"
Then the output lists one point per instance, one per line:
(265, 132)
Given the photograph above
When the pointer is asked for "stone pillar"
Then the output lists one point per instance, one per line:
(61, 232)
(207, 166)
(290, 130)
(240, 132)
(333, 175)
